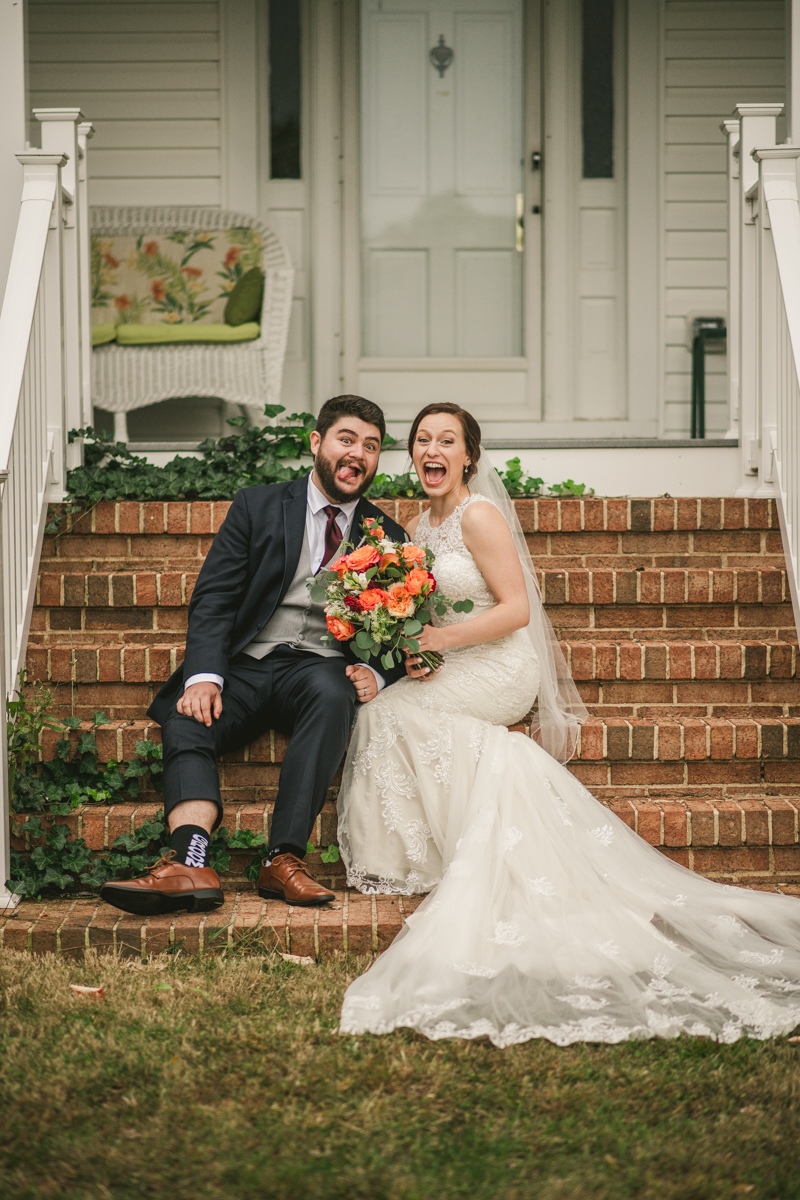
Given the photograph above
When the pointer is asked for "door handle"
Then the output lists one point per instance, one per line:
(520, 221)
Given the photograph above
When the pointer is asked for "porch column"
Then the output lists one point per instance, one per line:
(731, 131)
(756, 128)
(60, 136)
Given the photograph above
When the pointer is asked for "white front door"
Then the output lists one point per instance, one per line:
(442, 169)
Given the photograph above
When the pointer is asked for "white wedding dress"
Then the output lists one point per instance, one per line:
(548, 917)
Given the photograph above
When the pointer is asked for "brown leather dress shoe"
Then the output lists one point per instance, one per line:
(287, 878)
(166, 888)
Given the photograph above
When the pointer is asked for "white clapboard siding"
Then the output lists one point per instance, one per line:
(716, 54)
(148, 77)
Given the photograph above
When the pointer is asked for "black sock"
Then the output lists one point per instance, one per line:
(285, 848)
(190, 844)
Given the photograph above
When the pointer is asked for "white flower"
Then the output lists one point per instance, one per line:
(417, 833)
(746, 981)
(513, 836)
(762, 960)
(475, 969)
(584, 1002)
(541, 887)
(604, 834)
(733, 924)
(590, 981)
(507, 934)
(610, 949)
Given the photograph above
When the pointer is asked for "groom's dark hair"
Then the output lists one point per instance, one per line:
(350, 406)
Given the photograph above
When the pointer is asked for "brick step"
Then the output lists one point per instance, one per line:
(587, 660)
(548, 514)
(573, 586)
(726, 839)
(617, 758)
(611, 738)
(637, 679)
(352, 923)
(592, 533)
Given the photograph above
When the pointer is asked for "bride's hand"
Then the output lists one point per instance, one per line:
(432, 638)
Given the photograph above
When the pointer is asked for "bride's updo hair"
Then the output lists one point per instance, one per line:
(469, 427)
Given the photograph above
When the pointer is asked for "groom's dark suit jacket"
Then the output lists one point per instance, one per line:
(245, 577)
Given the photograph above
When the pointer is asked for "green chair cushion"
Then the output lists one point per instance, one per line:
(244, 302)
(150, 335)
(103, 333)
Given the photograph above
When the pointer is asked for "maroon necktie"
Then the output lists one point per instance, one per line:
(333, 534)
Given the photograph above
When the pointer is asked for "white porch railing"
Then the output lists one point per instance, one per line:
(776, 213)
(43, 388)
(764, 318)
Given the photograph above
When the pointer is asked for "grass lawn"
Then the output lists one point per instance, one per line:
(225, 1077)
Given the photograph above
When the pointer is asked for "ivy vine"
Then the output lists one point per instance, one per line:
(248, 456)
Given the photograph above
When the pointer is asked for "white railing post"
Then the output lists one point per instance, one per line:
(85, 132)
(756, 128)
(60, 135)
(31, 426)
(780, 306)
(731, 131)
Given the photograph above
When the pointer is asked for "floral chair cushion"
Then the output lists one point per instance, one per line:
(182, 277)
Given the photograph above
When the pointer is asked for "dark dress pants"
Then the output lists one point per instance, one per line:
(295, 692)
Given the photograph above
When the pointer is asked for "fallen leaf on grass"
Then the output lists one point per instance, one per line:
(130, 1134)
(793, 1040)
(89, 993)
(302, 960)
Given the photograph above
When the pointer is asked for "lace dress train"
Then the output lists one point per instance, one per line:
(547, 916)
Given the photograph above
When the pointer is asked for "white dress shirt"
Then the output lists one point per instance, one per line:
(316, 524)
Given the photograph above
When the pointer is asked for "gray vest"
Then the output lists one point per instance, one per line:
(296, 622)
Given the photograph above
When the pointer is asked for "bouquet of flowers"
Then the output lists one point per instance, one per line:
(379, 596)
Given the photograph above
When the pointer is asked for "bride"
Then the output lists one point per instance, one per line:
(546, 916)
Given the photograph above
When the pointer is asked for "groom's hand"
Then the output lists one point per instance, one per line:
(364, 682)
(201, 701)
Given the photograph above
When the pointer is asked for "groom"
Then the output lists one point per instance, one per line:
(254, 661)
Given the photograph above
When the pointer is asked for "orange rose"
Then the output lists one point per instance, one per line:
(416, 580)
(341, 630)
(374, 527)
(400, 603)
(371, 597)
(389, 560)
(412, 554)
(363, 558)
(339, 566)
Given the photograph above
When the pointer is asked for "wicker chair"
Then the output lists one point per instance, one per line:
(129, 377)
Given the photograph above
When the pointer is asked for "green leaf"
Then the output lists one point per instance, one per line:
(331, 855)
(318, 594)
(411, 644)
(412, 626)
(310, 847)
(360, 653)
(387, 660)
(71, 722)
(365, 640)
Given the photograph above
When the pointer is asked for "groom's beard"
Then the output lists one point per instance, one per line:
(326, 470)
